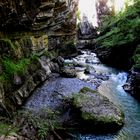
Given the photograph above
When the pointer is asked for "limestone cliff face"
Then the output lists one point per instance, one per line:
(37, 14)
(56, 18)
(30, 31)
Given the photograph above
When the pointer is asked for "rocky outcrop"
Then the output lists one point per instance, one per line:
(86, 29)
(97, 113)
(68, 72)
(13, 94)
(119, 47)
(38, 14)
(55, 18)
(124, 57)
(116, 56)
(32, 34)
(132, 85)
(86, 34)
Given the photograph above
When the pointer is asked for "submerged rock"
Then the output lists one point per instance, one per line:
(97, 112)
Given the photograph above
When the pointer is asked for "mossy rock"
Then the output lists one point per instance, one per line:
(86, 89)
(7, 129)
(97, 112)
(68, 72)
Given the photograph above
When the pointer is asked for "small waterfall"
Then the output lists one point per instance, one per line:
(120, 80)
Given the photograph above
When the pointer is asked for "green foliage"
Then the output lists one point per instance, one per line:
(34, 58)
(43, 122)
(7, 129)
(11, 67)
(121, 29)
(87, 89)
(136, 57)
(70, 47)
(78, 15)
(8, 43)
(70, 44)
(51, 54)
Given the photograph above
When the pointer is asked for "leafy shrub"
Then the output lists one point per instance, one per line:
(11, 67)
(7, 129)
(122, 28)
(43, 121)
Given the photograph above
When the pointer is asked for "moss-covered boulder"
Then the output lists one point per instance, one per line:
(68, 72)
(97, 112)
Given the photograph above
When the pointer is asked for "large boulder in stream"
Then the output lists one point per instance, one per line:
(97, 113)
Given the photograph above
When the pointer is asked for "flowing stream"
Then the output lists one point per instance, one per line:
(110, 80)
(112, 89)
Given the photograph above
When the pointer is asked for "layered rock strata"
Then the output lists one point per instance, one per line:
(32, 33)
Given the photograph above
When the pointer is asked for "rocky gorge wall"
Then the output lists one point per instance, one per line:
(32, 33)
(118, 45)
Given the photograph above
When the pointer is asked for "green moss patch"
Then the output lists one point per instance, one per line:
(86, 89)
(97, 109)
(7, 129)
(11, 67)
(8, 43)
(122, 28)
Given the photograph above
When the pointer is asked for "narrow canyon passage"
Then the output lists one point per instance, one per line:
(66, 67)
(49, 95)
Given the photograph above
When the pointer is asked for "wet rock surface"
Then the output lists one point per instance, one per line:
(115, 56)
(52, 92)
(97, 112)
(86, 34)
(132, 84)
(68, 72)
